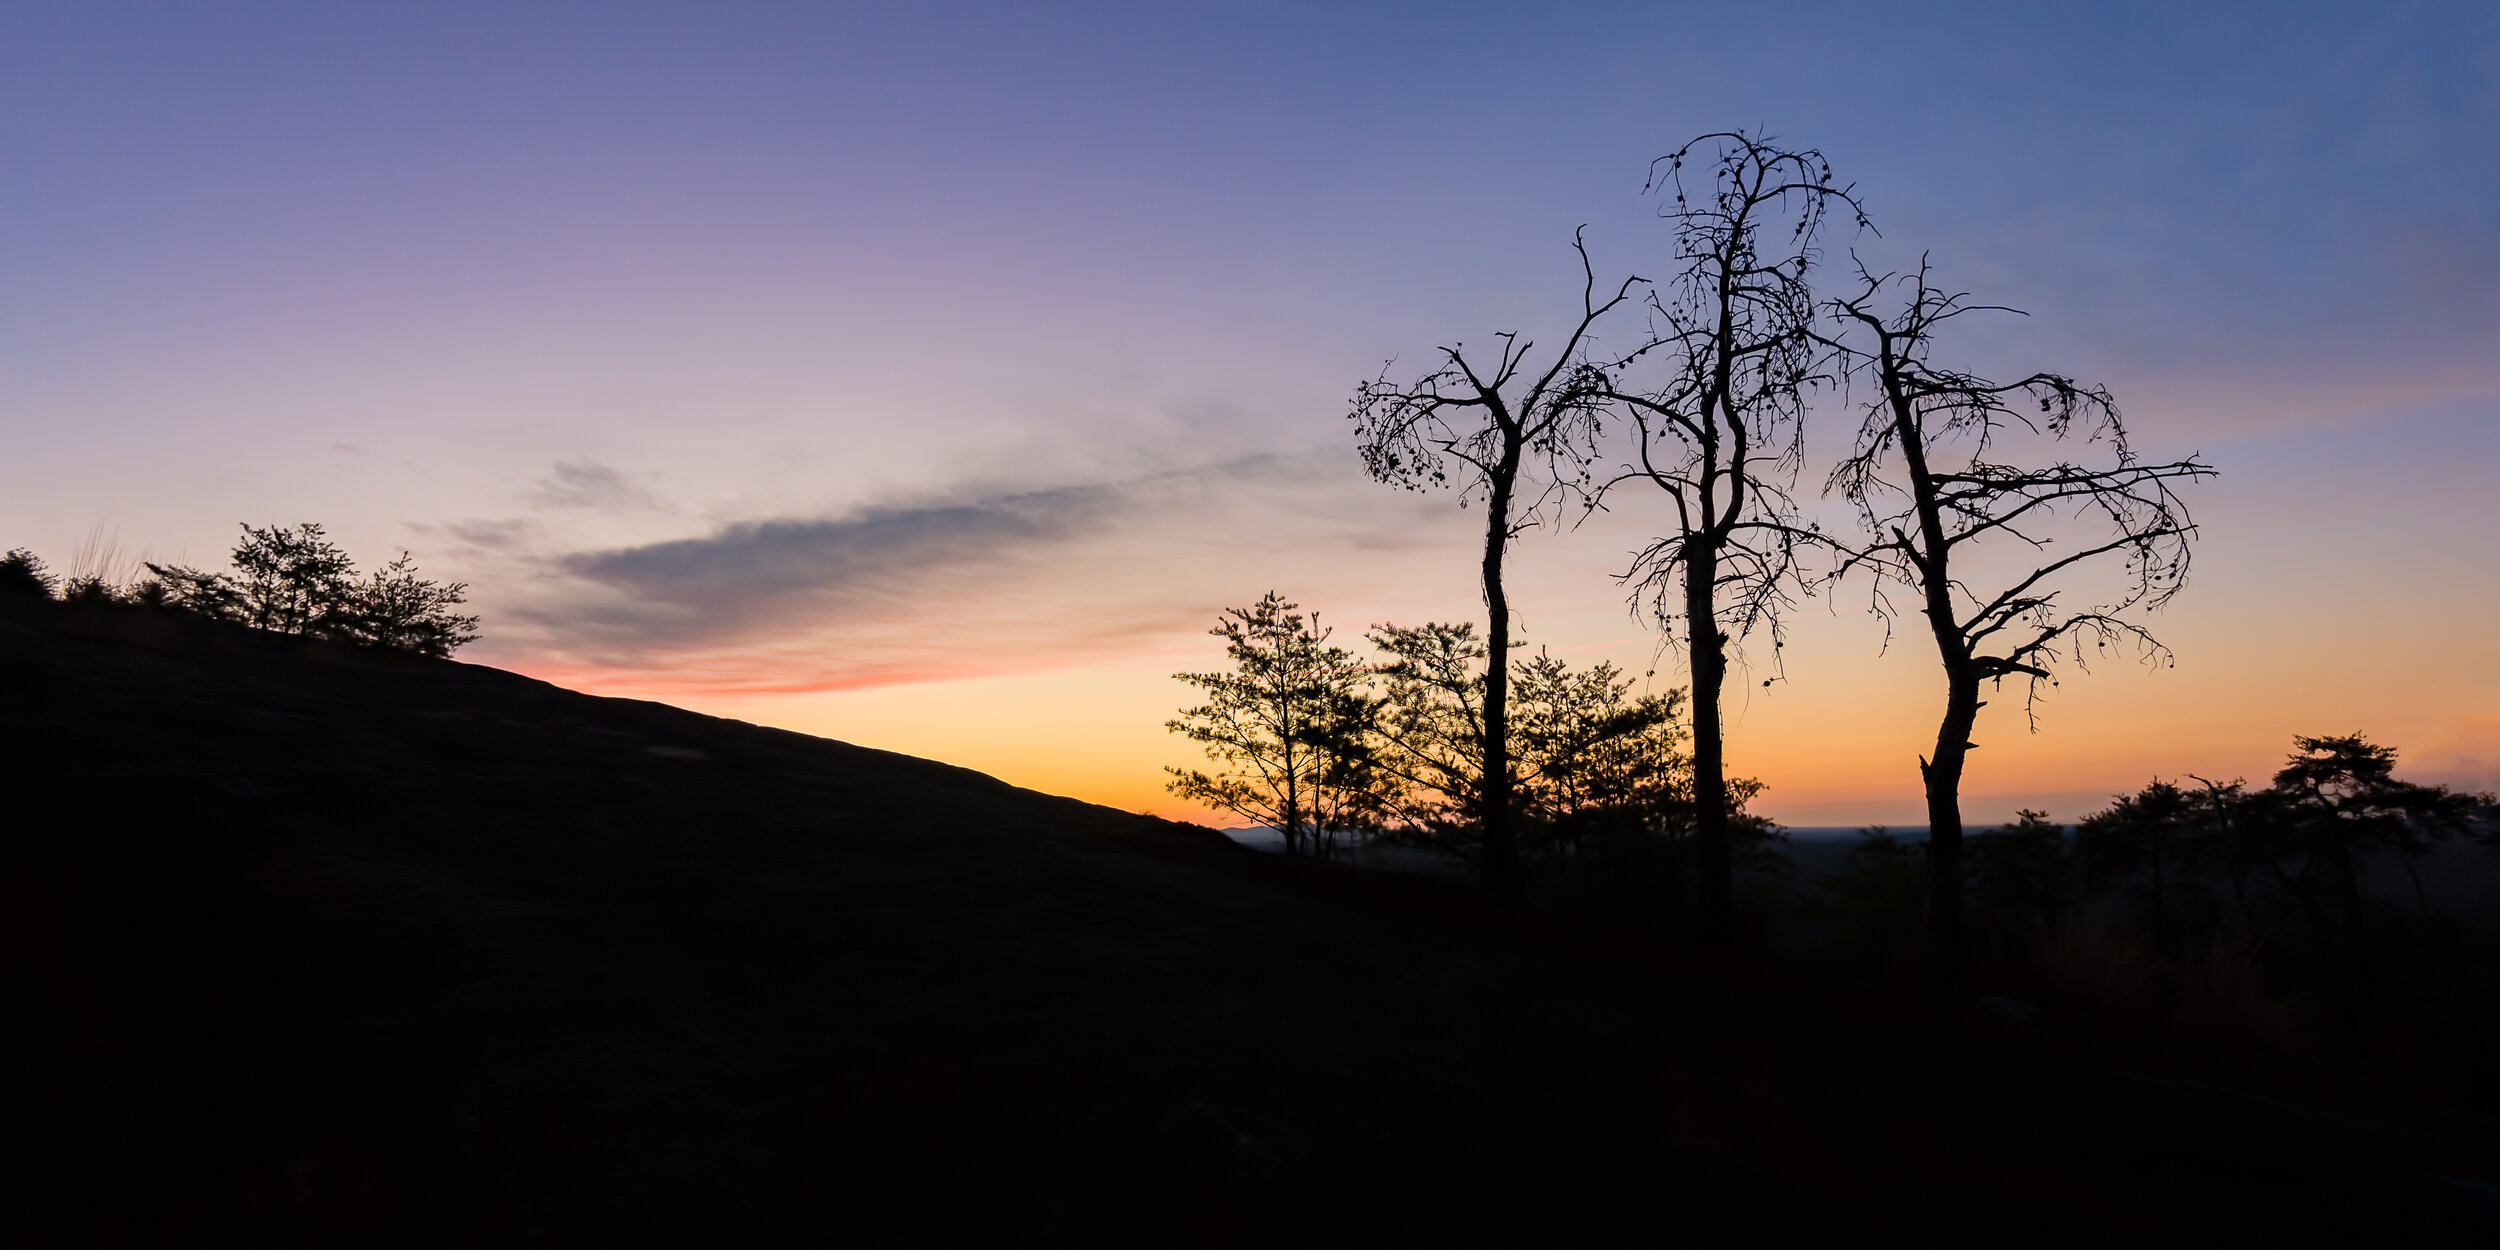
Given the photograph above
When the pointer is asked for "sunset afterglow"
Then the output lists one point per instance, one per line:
(930, 379)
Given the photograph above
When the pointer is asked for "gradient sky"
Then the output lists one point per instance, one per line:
(928, 376)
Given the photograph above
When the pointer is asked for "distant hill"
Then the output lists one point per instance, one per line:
(310, 946)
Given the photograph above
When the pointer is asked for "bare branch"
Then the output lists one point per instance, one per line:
(1929, 492)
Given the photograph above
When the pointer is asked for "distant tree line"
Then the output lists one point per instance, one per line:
(2208, 861)
(284, 579)
(2289, 927)
(2293, 856)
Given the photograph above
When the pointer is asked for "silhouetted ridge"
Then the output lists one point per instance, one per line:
(306, 945)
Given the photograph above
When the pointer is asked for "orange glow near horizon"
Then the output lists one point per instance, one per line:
(1837, 743)
(2261, 656)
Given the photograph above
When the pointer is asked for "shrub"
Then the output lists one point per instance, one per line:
(22, 573)
(397, 609)
(89, 589)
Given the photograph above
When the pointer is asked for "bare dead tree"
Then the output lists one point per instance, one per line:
(1481, 429)
(1721, 434)
(1931, 498)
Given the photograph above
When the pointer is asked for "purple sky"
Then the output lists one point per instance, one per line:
(878, 373)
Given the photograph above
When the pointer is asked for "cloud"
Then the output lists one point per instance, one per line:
(749, 567)
(590, 484)
(969, 582)
(489, 536)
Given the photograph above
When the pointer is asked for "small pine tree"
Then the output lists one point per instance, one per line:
(397, 609)
(293, 579)
(1285, 727)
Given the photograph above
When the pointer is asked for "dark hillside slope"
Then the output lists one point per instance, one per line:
(308, 947)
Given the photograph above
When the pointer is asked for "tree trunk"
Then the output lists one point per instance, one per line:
(1942, 773)
(1503, 882)
(1293, 790)
(1715, 886)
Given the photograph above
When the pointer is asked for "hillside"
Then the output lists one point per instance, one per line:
(308, 945)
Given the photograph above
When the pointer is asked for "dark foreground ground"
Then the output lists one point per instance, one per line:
(307, 948)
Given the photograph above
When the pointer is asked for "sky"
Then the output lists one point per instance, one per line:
(930, 376)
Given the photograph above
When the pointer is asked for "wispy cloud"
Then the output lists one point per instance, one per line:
(484, 537)
(590, 484)
(748, 572)
(966, 583)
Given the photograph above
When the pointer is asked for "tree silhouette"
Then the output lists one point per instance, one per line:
(1587, 757)
(1599, 763)
(397, 609)
(22, 572)
(1721, 435)
(2298, 847)
(1287, 724)
(1432, 729)
(1486, 425)
(2344, 805)
(1929, 496)
(293, 579)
